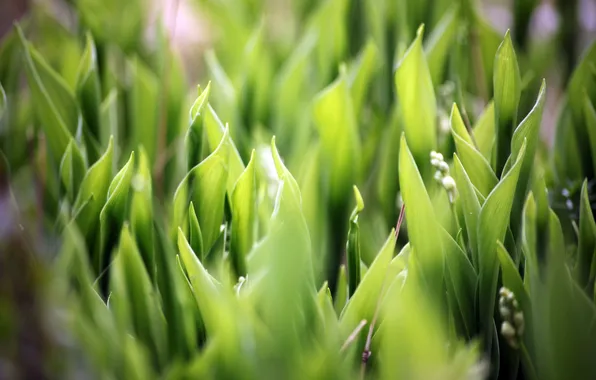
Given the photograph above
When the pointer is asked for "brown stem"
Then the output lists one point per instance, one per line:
(353, 335)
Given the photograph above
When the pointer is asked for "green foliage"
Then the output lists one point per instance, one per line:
(217, 238)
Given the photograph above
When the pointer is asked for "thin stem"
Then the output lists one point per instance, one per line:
(353, 335)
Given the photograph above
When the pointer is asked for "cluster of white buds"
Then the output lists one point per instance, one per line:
(513, 324)
(442, 175)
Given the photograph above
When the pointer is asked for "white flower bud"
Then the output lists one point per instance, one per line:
(443, 167)
(507, 330)
(434, 162)
(505, 312)
(448, 183)
(518, 319)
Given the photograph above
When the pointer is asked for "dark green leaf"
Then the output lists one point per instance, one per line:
(507, 85)
(492, 226)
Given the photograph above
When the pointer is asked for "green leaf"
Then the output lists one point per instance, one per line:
(513, 281)
(439, 43)
(580, 85)
(109, 117)
(492, 226)
(194, 135)
(361, 74)
(88, 87)
(135, 289)
(528, 131)
(590, 120)
(327, 21)
(462, 277)
(195, 236)
(244, 217)
(479, 170)
(341, 293)
(205, 287)
(141, 211)
(421, 220)
(185, 326)
(2, 101)
(484, 131)
(507, 88)
(363, 303)
(144, 105)
(353, 245)
(53, 102)
(72, 169)
(205, 186)
(418, 104)
(334, 117)
(215, 131)
(95, 185)
(470, 205)
(115, 212)
(586, 246)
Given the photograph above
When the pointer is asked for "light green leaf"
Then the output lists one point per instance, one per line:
(141, 211)
(492, 226)
(327, 21)
(341, 293)
(244, 216)
(95, 185)
(527, 132)
(334, 117)
(361, 73)
(507, 89)
(206, 289)
(115, 212)
(195, 236)
(418, 104)
(439, 42)
(484, 131)
(479, 170)
(363, 303)
(194, 135)
(470, 205)
(353, 245)
(215, 131)
(421, 220)
(205, 186)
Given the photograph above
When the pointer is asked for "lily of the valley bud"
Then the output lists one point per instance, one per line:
(513, 324)
(442, 175)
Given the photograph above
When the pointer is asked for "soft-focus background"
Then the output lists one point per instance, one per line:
(191, 33)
